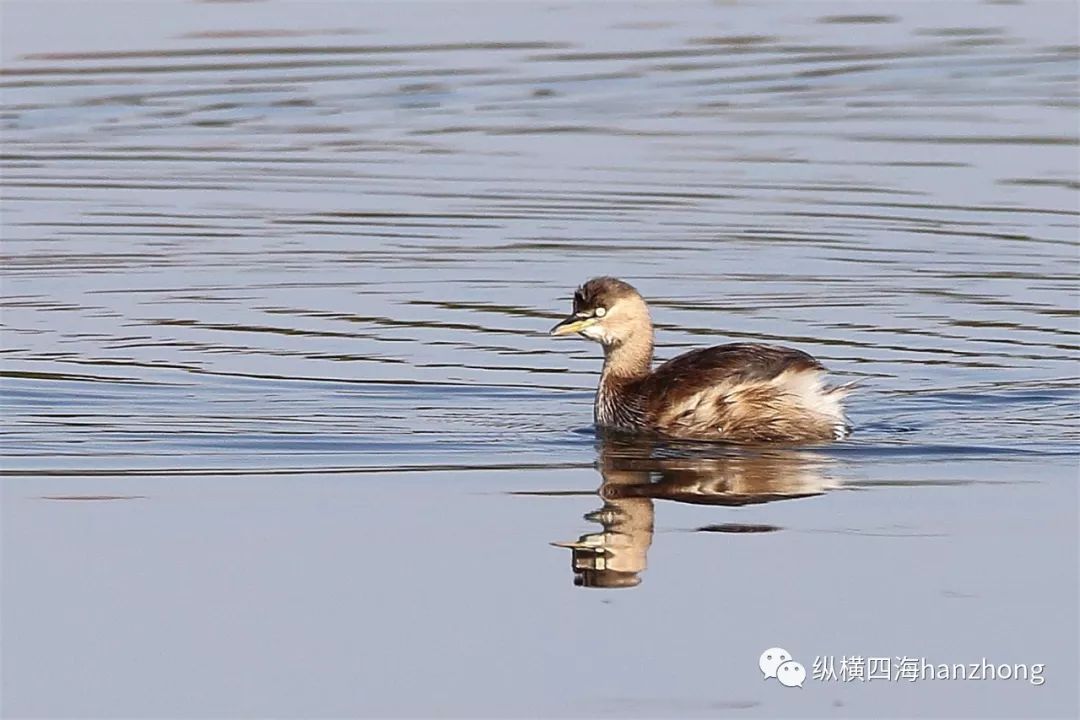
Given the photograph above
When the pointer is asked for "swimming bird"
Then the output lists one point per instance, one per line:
(742, 392)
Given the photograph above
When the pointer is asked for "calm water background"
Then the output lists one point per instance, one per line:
(284, 434)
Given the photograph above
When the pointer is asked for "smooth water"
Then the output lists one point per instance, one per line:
(284, 433)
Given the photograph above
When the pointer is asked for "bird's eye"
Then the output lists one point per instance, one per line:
(600, 312)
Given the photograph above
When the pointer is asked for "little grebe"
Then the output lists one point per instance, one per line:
(742, 392)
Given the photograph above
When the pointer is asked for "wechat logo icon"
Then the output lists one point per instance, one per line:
(777, 663)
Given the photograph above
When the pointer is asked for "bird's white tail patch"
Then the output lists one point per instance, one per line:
(808, 389)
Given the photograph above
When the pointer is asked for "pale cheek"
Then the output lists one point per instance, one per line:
(594, 332)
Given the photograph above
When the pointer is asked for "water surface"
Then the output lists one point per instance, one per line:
(284, 434)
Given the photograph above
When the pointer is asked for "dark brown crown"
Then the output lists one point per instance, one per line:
(601, 292)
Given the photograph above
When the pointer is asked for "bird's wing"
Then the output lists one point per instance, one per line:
(738, 362)
(741, 391)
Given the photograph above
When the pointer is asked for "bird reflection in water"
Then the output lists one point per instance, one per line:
(635, 473)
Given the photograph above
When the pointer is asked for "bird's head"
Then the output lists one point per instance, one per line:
(608, 311)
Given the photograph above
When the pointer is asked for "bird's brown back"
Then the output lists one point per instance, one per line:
(691, 372)
(737, 392)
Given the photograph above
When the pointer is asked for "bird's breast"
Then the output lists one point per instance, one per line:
(617, 406)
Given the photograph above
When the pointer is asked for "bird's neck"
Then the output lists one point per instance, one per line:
(617, 399)
(629, 360)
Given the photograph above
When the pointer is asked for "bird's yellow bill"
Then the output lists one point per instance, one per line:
(572, 324)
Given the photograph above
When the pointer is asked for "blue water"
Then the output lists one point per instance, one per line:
(284, 433)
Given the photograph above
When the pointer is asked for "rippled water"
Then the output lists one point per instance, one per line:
(276, 285)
